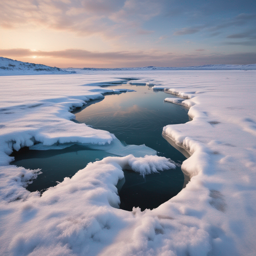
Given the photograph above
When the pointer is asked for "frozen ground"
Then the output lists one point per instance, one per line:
(214, 215)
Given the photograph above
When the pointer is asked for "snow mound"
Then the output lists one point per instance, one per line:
(14, 67)
(143, 165)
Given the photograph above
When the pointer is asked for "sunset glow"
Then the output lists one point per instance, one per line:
(129, 33)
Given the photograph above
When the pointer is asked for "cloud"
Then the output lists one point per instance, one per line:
(250, 34)
(244, 43)
(101, 6)
(219, 6)
(134, 13)
(60, 14)
(128, 59)
(201, 9)
(116, 19)
(188, 31)
(108, 18)
(242, 20)
(85, 55)
(239, 35)
(214, 34)
(239, 20)
(138, 10)
(248, 37)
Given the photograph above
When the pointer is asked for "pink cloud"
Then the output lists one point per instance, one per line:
(83, 17)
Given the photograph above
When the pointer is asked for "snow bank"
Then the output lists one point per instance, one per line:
(32, 112)
(143, 165)
(180, 100)
(214, 215)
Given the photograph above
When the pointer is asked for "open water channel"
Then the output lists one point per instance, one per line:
(136, 117)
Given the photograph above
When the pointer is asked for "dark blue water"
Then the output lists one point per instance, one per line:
(56, 164)
(135, 118)
(138, 118)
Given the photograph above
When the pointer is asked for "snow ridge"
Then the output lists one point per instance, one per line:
(12, 67)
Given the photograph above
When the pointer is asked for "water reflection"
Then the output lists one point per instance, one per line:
(119, 112)
(56, 164)
(136, 118)
(143, 114)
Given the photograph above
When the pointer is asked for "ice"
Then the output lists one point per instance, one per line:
(40, 146)
(214, 215)
(117, 148)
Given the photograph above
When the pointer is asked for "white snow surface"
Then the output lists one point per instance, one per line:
(214, 215)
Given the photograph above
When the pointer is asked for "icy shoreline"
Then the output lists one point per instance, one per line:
(214, 215)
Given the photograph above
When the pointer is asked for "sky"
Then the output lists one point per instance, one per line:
(128, 33)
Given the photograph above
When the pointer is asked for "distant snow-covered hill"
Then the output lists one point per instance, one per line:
(14, 67)
(204, 67)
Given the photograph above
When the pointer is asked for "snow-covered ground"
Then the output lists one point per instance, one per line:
(149, 68)
(214, 215)
(9, 67)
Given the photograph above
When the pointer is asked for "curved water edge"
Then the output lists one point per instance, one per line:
(135, 188)
(139, 118)
(184, 151)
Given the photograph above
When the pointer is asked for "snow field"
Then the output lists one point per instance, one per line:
(214, 215)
